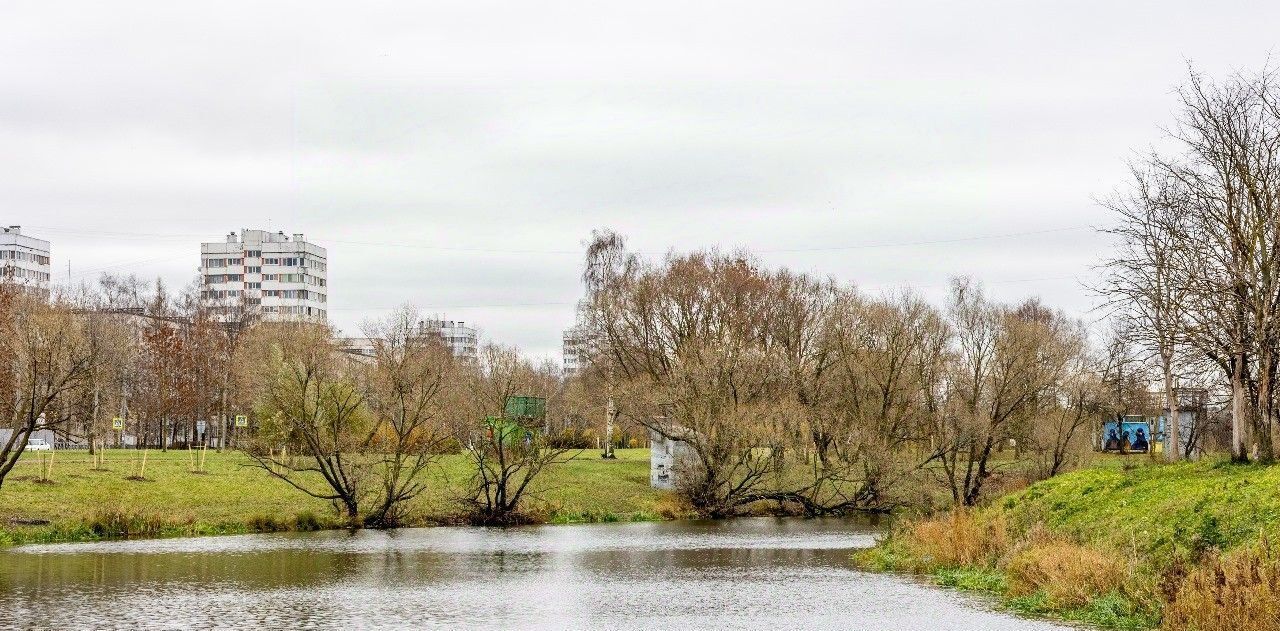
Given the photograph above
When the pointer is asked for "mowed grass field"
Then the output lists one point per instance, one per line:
(84, 502)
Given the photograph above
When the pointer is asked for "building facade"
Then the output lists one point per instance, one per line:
(278, 277)
(575, 346)
(23, 259)
(462, 340)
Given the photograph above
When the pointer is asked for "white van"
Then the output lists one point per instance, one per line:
(38, 444)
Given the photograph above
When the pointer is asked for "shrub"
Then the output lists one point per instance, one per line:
(117, 522)
(672, 506)
(1238, 591)
(264, 523)
(306, 521)
(957, 539)
(1069, 574)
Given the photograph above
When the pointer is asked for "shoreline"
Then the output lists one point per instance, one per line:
(87, 503)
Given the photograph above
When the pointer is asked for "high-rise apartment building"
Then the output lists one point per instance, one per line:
(463, 341)
(576, 344)
(279, 277)
(23, 259)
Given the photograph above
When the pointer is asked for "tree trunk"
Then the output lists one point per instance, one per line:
(1239, 422)
(1174, 451)
(93, 423)
(222, 419)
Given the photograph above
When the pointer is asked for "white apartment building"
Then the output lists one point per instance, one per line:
(23, 259)
(575, 345)
(282, 278)
(462, 340)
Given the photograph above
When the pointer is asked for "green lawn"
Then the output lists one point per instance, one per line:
(81, 503)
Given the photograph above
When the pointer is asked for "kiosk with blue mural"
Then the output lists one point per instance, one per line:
(1131, 434)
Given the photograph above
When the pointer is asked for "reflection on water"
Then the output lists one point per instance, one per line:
(746, 573)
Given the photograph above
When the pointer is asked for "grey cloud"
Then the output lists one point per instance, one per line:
(503, 127)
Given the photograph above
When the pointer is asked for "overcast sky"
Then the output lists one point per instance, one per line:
(456, 155)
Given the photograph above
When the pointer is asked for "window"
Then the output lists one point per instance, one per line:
(253, 270)
(253, 253)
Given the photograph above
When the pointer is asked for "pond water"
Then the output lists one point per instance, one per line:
(744, 573)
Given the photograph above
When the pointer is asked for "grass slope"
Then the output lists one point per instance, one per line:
(233, 497)
(1164, 512)
(1109, 545)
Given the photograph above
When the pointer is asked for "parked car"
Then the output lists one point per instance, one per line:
(38, 444)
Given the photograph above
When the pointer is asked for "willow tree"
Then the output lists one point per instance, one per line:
(315, 432)
(506, 455)
(730, 359)
(407, 384)
(1008, 362)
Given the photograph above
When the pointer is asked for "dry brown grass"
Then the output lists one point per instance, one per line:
(672, 506)
(1238, 591)
(1069, 574)
(956, 539)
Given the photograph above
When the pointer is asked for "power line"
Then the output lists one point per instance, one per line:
(934, 242)
(497, 250)
(877, 287)
(442, 307)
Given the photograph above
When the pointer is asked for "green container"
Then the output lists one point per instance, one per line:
(524, 408)
(508, 431)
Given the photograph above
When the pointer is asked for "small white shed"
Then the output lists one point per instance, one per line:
(665, 458)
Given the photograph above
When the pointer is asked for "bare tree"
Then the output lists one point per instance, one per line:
(48, 360)
(507, 454)
(1227, 172)
(1007, 362)
(1146, 279)
(408, 384)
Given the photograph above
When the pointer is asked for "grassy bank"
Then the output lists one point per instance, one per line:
(1186, 546)
(81, 502)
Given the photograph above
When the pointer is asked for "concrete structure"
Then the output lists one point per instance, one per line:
(1192, 412)
(280, 277)
(23, 259)
(462, 340)
(667, 458)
